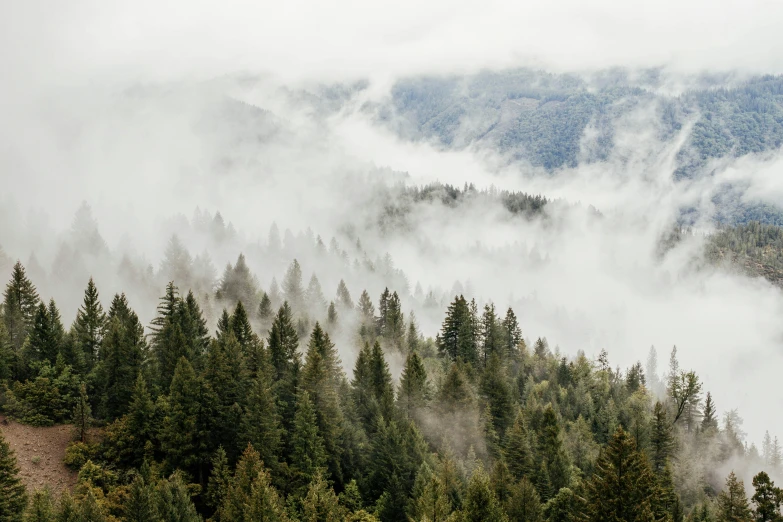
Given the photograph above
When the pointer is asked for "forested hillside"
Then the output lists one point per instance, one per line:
(301, 407)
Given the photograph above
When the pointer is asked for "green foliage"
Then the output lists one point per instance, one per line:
(733, 502)
(13, 497)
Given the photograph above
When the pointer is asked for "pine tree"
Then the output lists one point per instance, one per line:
(225, 380)
(622, 487)
(13, 497)
(321, 378)
(431, 501)
(709, 420)
(308, 454)
(177, 263)
(321, 504)
(265, 311)
(283, 344)
(512, 333)
(89, 327)
(169, 343)
(344, 300)
(82, 415)
(518, 453)
(260, 424)
(497, 393)
(8, 359)
(481, 504)
(733, 502)
(41, 507)
(141, 504)
(413, 333)
(661, 439)
(314, 297)
(43, 345)
(414, 390)
(184, 432)
(173, 501)
(331, 314)
(366, 308)
(292, 286)
(141, 419)
(524, 504)
(458, 333)
(90, 510)
(238, 284)
(265, 503)
(492, 341)
(767, 499)
(122, 356)
(249, 495)
(552, 453)
(219, 479)
(20, 301)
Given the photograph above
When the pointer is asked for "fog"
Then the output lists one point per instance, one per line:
(135, 109)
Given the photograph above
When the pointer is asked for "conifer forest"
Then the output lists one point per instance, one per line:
(409, 261)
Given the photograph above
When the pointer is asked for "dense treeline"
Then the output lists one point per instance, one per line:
(261, 421)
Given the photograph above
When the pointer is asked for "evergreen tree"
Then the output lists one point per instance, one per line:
(141, 504)
(82, 415)
(141, 419)
(260, 423)
(524, 504)
(8, 359)
(20, 301)
(661, 439)
(238, 284)
(169, 343)
(331, 314)
(414, 390)
(492, 341)
(314, 296)
(321, 378)
(458, 333)
(41, 507)
(283, 343)
(413, 333)
(497, 393)
(122, 357)
(518, 452)
(219, 479)
(709, 420)
(45, 335)
(308, 454)
(552, 453)
(13, 497)
(184, 433)
(622, 487)
(173, 501)
(292, 286)
(366, 308)
(321, 504)
(733, 502)
(431, 501)
(481, 504)
(512, 333)
(177, 263)
(90, 510)
(767, 499)
(265, 311)
(225, 380)
(344, 300)
(249, 495)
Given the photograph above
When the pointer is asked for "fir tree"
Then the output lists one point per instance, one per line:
(524, 504)
(331, 314)
(141, 505)
(82, 415)
(431, 501)
(709, 420)
(41, 507)
(481, 504)
(292, 286)
(141, 419)
(20, 301)
(622, 487)
(89, 327)
(458, 334)
(219, 479)
(173, 501)
(314, 296)
(321, 378)
(767, 499)
(122, 358)
(283, 343)
(184, 432)
(321, 504)
(512, 333)
(733, 502)
(13, 497)
(344, 300)
(414, 390)
(265, 311)
(260, 423)
(661, 439)
(307, 447)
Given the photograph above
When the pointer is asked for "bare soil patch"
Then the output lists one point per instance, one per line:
(40, 452)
